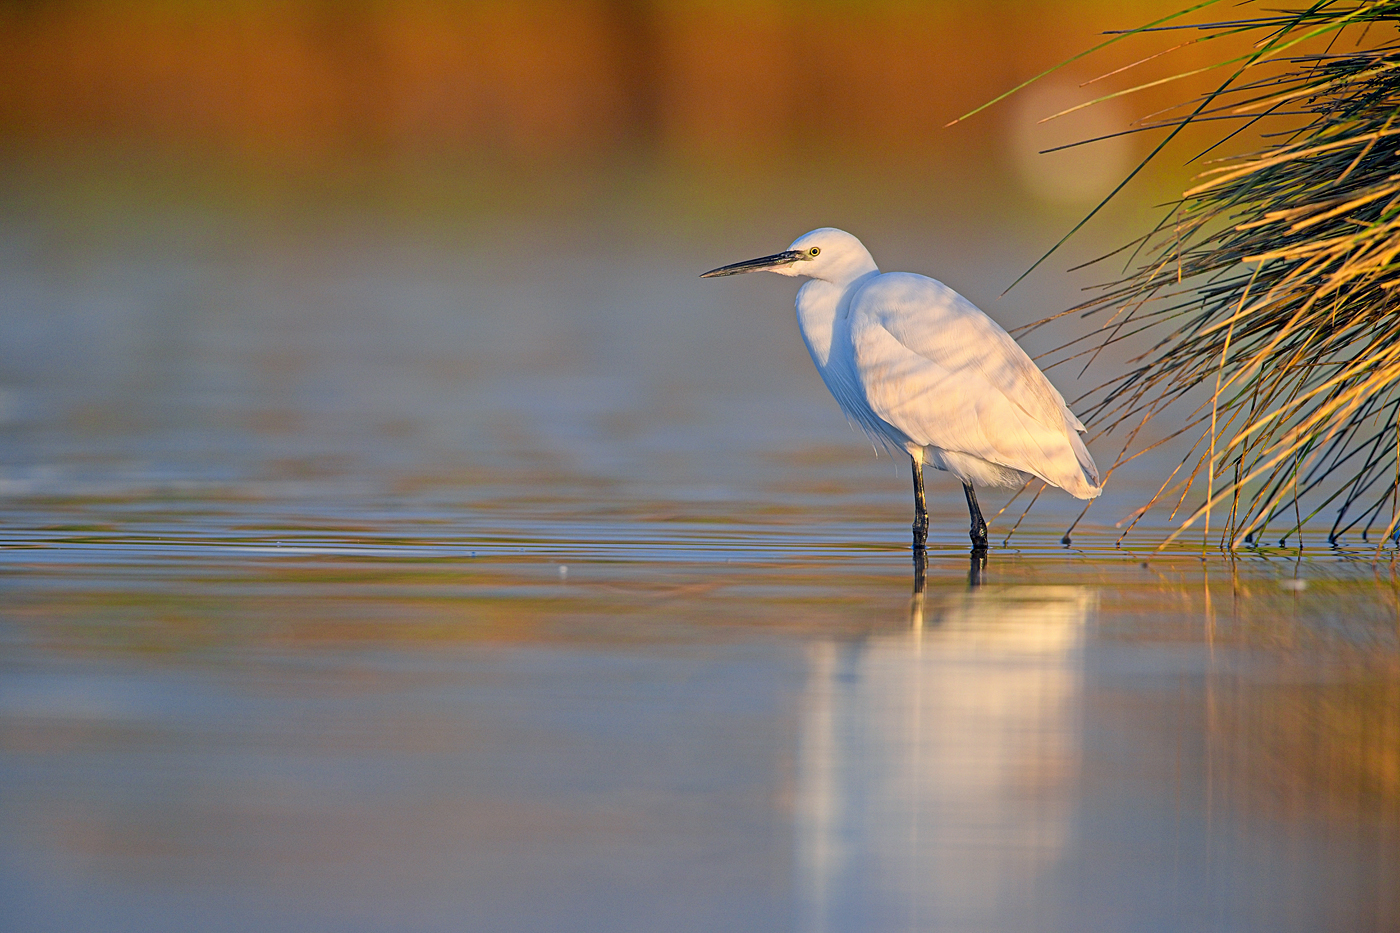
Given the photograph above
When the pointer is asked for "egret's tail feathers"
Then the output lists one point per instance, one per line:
(1057, 456)
(1081, 488)
(1087, 484)
(1060, 459)
(1078, 484)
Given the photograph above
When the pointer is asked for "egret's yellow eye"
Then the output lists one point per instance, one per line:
(814, 251)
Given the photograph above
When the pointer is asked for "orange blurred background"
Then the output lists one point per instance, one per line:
(592, 85)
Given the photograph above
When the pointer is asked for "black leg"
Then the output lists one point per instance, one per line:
(920, 512)
(978, 533)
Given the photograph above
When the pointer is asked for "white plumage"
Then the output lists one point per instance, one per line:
(922, 370)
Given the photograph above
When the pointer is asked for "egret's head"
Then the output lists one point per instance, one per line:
(825, 253)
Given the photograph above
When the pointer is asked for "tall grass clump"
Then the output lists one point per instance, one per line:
(1269, 293)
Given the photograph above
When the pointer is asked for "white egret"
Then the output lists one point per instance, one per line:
(922, 370)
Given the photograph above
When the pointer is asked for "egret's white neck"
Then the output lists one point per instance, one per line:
(820, 304)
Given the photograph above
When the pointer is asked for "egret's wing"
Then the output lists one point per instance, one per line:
(938, 369)
(942, 326)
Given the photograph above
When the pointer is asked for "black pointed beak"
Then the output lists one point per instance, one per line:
(777, 260)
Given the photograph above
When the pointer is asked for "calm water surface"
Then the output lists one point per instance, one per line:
(359, 576)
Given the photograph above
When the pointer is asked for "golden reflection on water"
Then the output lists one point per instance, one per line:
(939, 764)
(1070, 757)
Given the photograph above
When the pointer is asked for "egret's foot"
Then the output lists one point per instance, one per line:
(978, 534)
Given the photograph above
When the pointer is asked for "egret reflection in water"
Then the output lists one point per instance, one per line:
(938, 765)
